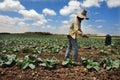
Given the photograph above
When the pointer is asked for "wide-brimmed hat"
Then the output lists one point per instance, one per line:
(82, 14)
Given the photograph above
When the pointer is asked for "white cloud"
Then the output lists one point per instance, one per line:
(40, 22)
(23, 24)
(48, 11)
(63, 29)
(118, 32)
(99, 20)
(14, 5)
(49, 20)
(117, 29)
(18, 25)
(13, 29)
(47, 28)
(89, 29)
(90, 3)
(31, 14)
(11, 5)
(38, 19)
(72, 15)
(100, 26)
(96, 3)
(65, 22)
(73, 5)
(96, 13)
(117, 25)
(113, 3)
(9, 20)
(13, 25)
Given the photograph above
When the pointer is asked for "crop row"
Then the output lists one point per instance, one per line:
(48, 44)
(31, 61)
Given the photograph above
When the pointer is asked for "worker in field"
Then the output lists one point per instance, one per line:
(74, 32)
(108, 40)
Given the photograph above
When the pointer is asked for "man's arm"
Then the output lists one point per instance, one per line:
(77, 29)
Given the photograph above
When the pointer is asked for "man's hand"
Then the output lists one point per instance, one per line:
(80, 33)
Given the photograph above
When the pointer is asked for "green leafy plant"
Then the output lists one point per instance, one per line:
(103, 52)
(113, 51)
(29, 61)
(113, 46)
(49, 63)
(118, 56)
(55, 49)
(90, 63)
(26, 50)
(110, 63)
(36, 50)
(68, 63)
(7, 60)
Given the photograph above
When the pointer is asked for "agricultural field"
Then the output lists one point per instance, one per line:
(38, 57)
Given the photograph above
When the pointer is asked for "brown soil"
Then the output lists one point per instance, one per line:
(78, 72)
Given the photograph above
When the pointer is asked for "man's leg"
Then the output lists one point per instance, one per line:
(75, 46)
(69, 48)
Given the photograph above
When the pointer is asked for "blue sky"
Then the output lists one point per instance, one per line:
(55, 16)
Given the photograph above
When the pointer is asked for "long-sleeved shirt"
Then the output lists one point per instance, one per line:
(75, 29)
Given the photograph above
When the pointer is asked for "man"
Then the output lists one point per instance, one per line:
(108, 40)
(74, 32)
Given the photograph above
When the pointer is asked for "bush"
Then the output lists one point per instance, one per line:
(7, 60)
(68, 63)
(29, 61)
(26, 50)
(49, 63)
(90, 64)
(109, 63)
